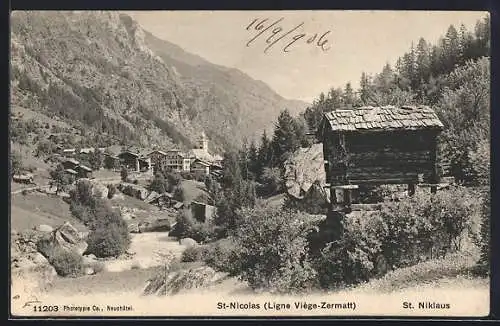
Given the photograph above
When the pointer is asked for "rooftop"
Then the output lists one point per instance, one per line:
(384, 118)
(72, 160)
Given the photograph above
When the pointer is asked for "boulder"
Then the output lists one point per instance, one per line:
(63, 237)
(157, 225)
(39, 259)
(303, 168)
(133, 190)
(188, 242)
(133, 228)
(44, 228)
(89, 271)
(98, 188)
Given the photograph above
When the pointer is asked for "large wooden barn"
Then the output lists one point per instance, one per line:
(380, 145)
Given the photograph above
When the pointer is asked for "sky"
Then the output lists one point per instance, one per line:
(353, 42)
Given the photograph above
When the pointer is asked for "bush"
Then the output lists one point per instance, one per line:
(179, 193)
(109, 241)
(273, 250)
(223, 255)
(109, 236)
(16, 162)
(350, 259)
(422, 227)
(67, 263)
(187, 175)
(124, 175)
(158, 184)
(111, 191)
(173, 180)
(401, 234)
(194, 253)
(484, 238)
(82, 194)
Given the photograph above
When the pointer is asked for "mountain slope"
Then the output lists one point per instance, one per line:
(225, 95)
(101, 72)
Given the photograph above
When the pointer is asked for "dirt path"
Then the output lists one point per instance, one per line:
(146, 248)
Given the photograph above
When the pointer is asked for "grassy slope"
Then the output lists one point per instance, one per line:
(193, 189)
(455, 268)
(34, 209)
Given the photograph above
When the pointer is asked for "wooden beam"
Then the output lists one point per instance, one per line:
(346, 187)
(385, 181)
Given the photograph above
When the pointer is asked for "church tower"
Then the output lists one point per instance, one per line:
(203, 142)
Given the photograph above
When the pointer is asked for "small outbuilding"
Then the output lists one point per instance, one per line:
(380, 145)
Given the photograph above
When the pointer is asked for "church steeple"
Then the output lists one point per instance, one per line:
(203, 142)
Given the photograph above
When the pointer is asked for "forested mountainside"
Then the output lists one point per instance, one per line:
(106, 76)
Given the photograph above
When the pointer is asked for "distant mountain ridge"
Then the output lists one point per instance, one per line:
(102, 71)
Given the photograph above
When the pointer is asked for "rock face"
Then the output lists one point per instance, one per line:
(158, 225)
(303, 169)
(64, 237)
(183, 280)
(30, 271)
(305, 179)
(98, 188)
(133, 190)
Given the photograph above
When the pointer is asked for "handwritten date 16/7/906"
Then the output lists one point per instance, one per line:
(273, 33)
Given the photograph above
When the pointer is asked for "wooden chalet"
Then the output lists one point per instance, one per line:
(201, 167)
(380, 145)
(158, 159)
(129, 160)
(83, 171)
(70, 163)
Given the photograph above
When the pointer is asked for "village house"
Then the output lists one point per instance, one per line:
(68, 151)
(111, 160)
(89, 150)
(75, 168)
(134, 161)
(200, 167)
(71, 172)
(83, 171)
(158, 159)
(379, 145)
(177, 161)
(70, 163)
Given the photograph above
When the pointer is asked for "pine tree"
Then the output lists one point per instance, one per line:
(285, 140)
(365, 89)
(253, 159)
(265, 150)
(349, 98)
(59, 178)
